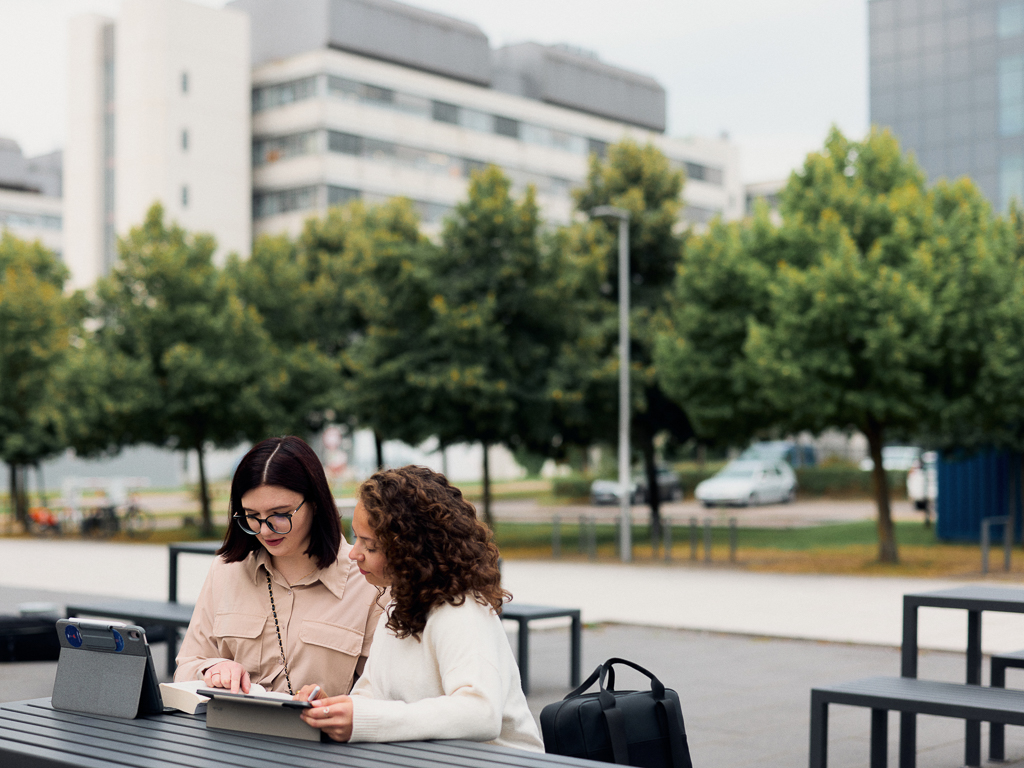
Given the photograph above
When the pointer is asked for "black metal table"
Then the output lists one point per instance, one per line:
(974, 600)
(185, 547)
(33, 735)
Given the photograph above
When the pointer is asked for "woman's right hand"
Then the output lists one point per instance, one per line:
(309, 692)
(227, 674)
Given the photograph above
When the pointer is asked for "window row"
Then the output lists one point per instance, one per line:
(267, 150)
(321, 196)
(36, 220)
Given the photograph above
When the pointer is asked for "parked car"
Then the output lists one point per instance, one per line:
(923, 481)
(607, 491)
(744, 482)
(794, 454)
(895, 457)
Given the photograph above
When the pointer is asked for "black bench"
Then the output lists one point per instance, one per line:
(524, 614)
(910, 695)
(996, 734)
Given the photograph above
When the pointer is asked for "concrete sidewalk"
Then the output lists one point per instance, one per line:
(742, 649)
(680, 596)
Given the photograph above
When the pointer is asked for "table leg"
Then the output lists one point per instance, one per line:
(879, 738)
(524, 654)
(819, 731)
(996, 732)
(972, 728)
(908, 668)
(576, 647)
(172, 649)
(172, 576)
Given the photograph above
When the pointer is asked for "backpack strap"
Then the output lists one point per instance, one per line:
(676, 736)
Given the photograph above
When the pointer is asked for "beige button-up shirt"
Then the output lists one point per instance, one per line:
(327, 621)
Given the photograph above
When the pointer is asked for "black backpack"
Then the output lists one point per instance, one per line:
(638, 728)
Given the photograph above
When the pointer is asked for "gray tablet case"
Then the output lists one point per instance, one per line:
(105, 668)
(240, 712)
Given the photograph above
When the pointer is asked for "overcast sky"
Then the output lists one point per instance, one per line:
(773, 74)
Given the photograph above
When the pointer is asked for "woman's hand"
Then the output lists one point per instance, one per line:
(227, 674)
(333, 716)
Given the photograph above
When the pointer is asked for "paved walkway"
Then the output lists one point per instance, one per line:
(715, 634)
(719, 599)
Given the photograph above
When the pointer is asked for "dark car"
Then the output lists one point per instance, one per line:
(607, 491)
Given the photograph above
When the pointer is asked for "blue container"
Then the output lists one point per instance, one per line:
(976, 485)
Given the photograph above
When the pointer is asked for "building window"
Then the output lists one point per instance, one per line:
(283, 200)
(278, 95)
(345, 143)
(705, 173)
(184, 139)
(1010, 20)
(1011, 180)
(340, 195)
(506, 126)
(1011, 95)
(270, 150)
(445, 113)
(597, 147)
(184, 82)
(184, 196)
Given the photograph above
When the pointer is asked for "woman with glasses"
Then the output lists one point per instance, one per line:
(283, 604)
(441, 666)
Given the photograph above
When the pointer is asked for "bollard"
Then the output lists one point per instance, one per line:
(655, 541)
(986, 540)
(733, 535)
(592, 538)
(693, 538)
(667, 543)
(556, 537)
(583, 534)
(707, 539)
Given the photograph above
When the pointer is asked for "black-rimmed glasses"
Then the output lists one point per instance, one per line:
(279, 523)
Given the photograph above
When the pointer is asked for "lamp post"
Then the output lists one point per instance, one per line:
(626, 525)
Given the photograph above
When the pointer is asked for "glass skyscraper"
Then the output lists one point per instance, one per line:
(947, 77)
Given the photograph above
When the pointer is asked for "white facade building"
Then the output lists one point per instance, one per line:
(30, 195)
(158, 112)
(375, 99)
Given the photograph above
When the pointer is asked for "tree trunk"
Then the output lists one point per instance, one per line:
(378, 443)
(653, 493)
(20, 497)
(204, 493)
(488, 518)
(887, 552)
(12, 491)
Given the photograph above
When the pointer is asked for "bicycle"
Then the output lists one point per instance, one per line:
(105, 522)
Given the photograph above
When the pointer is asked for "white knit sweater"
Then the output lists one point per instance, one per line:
(458, 681)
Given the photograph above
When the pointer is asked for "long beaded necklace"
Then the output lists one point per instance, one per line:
(280, 644)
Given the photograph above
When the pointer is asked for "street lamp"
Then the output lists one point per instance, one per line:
(626, 526)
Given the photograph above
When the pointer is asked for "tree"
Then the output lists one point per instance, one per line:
(207, 373)
(38, 324)
(854, 334)
(639, 180)
(722, 284)
(496, 327)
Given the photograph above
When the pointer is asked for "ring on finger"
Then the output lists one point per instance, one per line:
(327, 710)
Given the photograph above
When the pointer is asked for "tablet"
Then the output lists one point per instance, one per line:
(105, 668)
(260, 713)
(259, 699)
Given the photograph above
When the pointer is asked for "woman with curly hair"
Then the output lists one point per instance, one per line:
(441, 666)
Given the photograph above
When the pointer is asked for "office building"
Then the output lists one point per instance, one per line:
(373, 98)
(30, 195)
(948, 79)
(158, 112)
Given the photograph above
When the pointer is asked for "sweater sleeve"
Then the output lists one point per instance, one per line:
(471, 706)
(199, 650)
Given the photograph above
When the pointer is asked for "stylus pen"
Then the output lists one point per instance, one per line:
(313, 693)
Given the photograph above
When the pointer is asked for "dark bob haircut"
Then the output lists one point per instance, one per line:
(287, 462)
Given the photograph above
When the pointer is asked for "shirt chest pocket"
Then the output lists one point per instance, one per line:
(332, 637)
(240, 636)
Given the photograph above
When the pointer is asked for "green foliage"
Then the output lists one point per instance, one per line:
(202, 368)
(38, 325)
(572, 487)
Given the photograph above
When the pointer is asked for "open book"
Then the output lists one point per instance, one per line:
(183, 696)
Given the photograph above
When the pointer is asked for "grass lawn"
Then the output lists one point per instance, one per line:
(841, 548)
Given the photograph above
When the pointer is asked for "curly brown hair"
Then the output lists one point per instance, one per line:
(436, 550)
